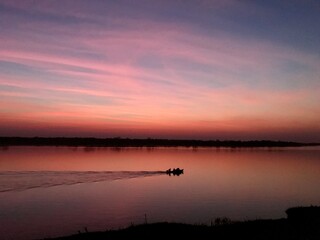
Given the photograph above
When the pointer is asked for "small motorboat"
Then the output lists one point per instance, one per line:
(175, 171)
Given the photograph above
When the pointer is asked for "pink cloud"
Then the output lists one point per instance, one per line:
(199, 83)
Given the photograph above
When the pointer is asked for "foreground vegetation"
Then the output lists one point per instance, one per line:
(149, 142)
(302, 223)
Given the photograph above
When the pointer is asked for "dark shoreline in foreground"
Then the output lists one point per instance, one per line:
(301, 223)
(148, 142)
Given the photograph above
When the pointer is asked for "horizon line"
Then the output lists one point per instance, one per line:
(145, 142)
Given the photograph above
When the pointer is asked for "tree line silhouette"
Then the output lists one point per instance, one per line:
(147, 142)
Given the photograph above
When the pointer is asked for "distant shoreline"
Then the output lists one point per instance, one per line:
(148, 142)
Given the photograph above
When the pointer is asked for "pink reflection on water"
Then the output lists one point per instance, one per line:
(240, 184)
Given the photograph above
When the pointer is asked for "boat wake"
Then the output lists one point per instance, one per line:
(24, 180)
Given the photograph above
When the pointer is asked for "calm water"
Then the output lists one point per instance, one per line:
(54, 191)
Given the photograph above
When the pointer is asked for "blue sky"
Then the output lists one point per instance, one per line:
(178, 69)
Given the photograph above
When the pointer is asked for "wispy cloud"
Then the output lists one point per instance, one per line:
(144, 73)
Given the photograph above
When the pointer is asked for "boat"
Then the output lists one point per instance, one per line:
(175, 171)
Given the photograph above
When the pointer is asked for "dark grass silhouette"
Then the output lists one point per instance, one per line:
(305, 225)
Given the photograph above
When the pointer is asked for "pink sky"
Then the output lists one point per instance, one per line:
(141, 71)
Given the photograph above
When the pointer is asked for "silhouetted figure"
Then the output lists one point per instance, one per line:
(174, 171)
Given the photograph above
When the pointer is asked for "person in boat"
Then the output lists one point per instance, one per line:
(174, 171)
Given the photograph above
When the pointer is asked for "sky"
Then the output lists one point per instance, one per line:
(201, 69)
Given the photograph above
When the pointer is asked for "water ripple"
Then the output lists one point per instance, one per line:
(24, 180)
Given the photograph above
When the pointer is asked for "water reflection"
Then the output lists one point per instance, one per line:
(238, 184)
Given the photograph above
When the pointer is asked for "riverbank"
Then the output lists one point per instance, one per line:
(301, 223)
